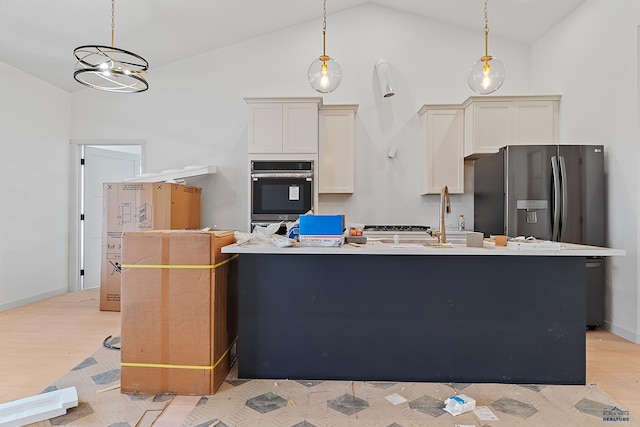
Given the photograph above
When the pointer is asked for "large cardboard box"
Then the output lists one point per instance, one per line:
(179, 312)
(139, 206)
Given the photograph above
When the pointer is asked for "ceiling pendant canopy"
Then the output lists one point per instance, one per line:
(486, 74)
(324, 73)
(109, 68)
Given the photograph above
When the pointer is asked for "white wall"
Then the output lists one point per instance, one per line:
(34, 180)
(591, 58)
(194, 111)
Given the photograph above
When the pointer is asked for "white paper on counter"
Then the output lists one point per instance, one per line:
(485, 414)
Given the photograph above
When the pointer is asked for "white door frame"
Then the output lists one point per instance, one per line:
(75, 193)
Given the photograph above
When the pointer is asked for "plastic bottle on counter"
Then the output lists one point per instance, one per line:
(461, 222)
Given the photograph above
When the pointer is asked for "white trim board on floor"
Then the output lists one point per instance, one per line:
(38, 408)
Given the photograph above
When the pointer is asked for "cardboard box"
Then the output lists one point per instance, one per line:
(475, 239)
(324, 241)
(179, 312)
(321, 230)
(321, 225)
(139, 206)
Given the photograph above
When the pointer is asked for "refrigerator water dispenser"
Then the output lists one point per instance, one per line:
(532, 207)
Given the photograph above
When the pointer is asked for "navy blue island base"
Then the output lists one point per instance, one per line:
(462, 318)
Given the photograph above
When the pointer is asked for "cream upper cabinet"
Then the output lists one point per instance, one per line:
(442, 148)
(492, 122)
(283, 125)
(336, 149)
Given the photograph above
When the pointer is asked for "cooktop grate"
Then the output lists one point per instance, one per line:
(397, 228)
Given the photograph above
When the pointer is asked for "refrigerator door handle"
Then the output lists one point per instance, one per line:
(563, 182)
(556, 199)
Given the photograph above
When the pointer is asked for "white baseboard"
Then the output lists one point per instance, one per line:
(622, 332)
(34, 298)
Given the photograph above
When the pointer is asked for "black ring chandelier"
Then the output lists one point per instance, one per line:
(109, 68)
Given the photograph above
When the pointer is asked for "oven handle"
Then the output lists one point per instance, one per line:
(307, 176)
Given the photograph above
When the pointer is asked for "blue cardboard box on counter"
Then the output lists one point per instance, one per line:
(321, 225)
(321, 230)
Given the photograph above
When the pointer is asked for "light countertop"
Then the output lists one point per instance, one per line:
(379, 248)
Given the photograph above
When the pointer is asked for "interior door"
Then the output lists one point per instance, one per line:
(101, 164)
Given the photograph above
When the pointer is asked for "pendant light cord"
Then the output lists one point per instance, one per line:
(324, 28)
(113, 22)
(486, 30)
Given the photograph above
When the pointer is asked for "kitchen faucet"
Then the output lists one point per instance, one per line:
(445, 208)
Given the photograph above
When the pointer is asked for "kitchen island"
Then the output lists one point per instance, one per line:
(381, 312)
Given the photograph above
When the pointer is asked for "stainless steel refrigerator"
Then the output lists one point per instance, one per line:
(550, 192)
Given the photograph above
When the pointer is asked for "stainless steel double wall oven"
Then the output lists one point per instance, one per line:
(280, 190)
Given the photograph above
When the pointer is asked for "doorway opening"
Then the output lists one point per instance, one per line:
(96, 162)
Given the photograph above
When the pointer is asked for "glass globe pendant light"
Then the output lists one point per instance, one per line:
(486, 74)
(109, 68)
(324, 73)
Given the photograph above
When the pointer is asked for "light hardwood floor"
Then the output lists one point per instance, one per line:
(40, 342)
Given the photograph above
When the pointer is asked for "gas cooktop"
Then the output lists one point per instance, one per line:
(405, 233)
(396, 229)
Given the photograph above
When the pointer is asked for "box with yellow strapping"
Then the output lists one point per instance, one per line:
(178, 311)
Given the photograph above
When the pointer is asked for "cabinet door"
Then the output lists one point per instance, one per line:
(300, 127)
(493, 122)
(336, 151)
(442, 150)
(534, 123)
(265, 128)
(488, 127)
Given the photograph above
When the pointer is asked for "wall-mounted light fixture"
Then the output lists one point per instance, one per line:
(384, 78)
(324, 73)
(487, 74)
(109, 68)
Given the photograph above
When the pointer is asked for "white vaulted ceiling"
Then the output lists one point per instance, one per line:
(38, 36)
